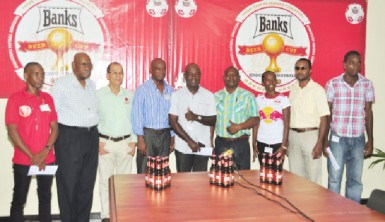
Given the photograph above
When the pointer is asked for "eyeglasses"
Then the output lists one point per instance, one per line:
(116, 73)
(300, 68)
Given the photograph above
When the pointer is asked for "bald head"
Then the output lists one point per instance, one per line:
(82, 66)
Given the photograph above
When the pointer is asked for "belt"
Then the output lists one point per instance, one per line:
(157, 131)
(114, 139)
(302, 130)
(243, 137)
(89, 129)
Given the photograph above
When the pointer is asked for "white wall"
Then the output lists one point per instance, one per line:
(373, 178)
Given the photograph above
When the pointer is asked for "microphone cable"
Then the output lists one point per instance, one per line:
(296, 211)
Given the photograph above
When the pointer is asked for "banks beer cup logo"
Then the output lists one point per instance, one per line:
(185, 8)
(51, 32)
(270, 36)
(354, 14)
(156, 8)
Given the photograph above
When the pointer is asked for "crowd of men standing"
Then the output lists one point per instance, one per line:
(94, 130)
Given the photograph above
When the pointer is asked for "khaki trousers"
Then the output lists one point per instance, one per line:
(300, 155)
(117, 161)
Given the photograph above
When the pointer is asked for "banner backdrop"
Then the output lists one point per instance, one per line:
(252, 35)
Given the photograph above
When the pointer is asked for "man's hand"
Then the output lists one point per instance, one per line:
(39, 158)
(42, 166)
(233, 128)
(102, 151)
(190, 116)
(132, 146)
(326, 145)
(317, 151)
(368, 151)
(172, 144)
(193, 146)
(142, 147)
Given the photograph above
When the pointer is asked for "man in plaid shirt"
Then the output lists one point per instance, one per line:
(350, 97)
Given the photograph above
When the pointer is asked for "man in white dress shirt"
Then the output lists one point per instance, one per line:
(192, 116)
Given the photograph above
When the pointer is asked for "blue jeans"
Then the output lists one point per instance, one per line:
(158, 144)
(349, 151)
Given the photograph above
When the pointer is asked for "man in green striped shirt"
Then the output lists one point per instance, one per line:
(117, 142)
(236, 113)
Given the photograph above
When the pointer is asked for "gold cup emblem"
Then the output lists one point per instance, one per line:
(273, 46)
(59, 41)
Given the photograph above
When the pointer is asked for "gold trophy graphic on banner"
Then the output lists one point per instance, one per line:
(273, 46)
(59, 41)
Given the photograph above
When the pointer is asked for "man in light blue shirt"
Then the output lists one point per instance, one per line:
(117, 142)
(150, 116)
(77, 145)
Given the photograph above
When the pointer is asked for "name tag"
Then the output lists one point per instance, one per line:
(335, 139)
(45, 108)
(268, 150)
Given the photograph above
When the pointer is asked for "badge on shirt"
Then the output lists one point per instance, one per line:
(25, 111)
(126, 100)
(45, 108)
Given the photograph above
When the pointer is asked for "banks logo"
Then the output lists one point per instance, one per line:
(270, 36)
(156, 8)
(354, 14)
(185, 8)
(52, 32)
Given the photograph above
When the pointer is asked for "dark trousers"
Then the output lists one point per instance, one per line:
(190, 162)
(241, 153)
(158, 144)
(261, 149)
(20, 192)
(77, 157)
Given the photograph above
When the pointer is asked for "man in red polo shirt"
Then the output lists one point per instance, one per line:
(31, 121)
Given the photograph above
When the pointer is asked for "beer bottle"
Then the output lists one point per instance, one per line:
(278, 170)
(168, 172)
(151, 174)
(212, 169)
(226, 172)
(231, 166)
(158, 176)
(163, 173)
(218, 172)
(262, 170)
(269, 169)
(148, 172)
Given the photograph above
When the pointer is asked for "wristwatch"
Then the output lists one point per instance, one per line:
(199, 118)
(48, 147)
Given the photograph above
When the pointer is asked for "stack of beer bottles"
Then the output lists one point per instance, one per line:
(221, 171)
(158, 173)
(271, 170)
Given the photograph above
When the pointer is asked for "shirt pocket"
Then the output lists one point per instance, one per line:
(202, 108)
(239, 108)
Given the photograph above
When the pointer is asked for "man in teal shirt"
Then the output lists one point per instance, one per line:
(236, 113)
(117, 142)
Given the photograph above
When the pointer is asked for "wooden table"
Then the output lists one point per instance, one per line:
(192, 198)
